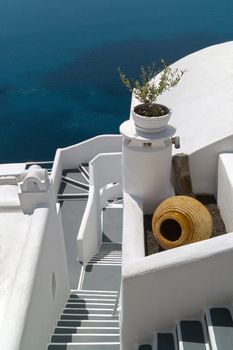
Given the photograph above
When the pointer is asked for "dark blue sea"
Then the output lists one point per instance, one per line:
(58, 63)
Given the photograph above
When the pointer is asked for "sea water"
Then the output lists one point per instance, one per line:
(59, 83)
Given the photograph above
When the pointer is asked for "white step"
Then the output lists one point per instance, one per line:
(85, 346)
(220, 328)
(83, 338)
(86, 330)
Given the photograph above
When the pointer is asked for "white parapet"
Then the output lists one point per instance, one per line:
(177, 284)
(34, 276)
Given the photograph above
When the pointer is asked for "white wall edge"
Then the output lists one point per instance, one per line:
(16, 315)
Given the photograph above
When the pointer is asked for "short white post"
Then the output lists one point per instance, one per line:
(35, 189)
(146, 164)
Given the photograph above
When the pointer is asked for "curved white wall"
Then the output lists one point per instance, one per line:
(202, 102)
(104, 169)
(202, 105)
(71, 157)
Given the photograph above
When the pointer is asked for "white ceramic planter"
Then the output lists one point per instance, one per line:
(151, 124)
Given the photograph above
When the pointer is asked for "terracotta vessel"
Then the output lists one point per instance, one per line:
(181, 220)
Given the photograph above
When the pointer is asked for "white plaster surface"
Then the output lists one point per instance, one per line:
(104, 169)
(33, 251)
(32, 255)
(173, 285)
(9, 196)
(202, 102)
(12, 168)
(13, 233)
(133, 230)
(34, 179)
(83, 152)
(146, 165)
(202, 105)
(225, 189)
(204, 165)
(179, 283)
(129, 131)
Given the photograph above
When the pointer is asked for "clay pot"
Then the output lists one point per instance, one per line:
(181, 220)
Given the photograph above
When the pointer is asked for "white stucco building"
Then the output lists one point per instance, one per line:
(75, 276)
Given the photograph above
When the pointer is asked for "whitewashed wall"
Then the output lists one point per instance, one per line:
(110, 192)
(225, 189)
(202, 101)
(159, 289)
(104, 169)
(33, 310)
(204, 165)
(71, 157)
(201, 111)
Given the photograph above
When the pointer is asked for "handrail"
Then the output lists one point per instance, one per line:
(116, 309)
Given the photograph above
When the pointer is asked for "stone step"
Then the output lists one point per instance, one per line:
(88, 323)
(89, 306)
(145, 347)
(81, 338)
(86, 330)
(80, 316)
(220, 327)
(191, 335)
(165, 341)
(110, 246)
(94, 292)
(88, 311)
(90, 300)
(103, 263)
(100, 277)
(85, 346)
(106, 257)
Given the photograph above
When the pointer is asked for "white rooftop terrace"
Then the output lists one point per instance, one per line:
(202, 102)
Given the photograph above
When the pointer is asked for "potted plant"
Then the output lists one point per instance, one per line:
(149, 116)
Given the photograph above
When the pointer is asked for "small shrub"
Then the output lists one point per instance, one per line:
(146, 89)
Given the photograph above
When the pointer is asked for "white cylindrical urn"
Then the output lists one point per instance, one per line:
(146, 165)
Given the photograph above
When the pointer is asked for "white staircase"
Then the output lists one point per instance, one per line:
(214, 332)
(88, 322)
